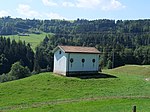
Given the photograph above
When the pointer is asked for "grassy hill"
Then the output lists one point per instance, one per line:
(33, 39)
(49, 92)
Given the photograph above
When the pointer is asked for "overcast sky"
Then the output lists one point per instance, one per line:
(73, 9)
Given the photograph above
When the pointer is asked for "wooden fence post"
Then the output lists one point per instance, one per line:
(134, 108)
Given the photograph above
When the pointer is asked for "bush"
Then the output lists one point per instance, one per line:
(6, 77)
(18, 71)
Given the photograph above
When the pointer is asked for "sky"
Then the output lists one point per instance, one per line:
(73, 9)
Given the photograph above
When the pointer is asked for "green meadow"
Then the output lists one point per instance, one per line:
(33, 39)
(48, 92)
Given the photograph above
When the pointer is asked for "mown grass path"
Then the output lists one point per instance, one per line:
(39, 104)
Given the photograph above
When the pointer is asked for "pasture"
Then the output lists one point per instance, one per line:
(49, 92)
(33, 39)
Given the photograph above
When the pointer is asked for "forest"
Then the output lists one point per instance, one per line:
(120, 42)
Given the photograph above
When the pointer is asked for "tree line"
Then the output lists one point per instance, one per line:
(11, 26)
(12, 52)
(114, 50)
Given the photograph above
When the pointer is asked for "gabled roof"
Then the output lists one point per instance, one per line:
(78, 49)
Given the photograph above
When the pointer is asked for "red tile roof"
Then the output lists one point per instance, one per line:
(79, 49)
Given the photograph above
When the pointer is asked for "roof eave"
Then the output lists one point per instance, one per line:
(83, 52)
(58, 47)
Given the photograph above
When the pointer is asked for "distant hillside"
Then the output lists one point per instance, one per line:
(142, 70)
(11, 26)
(33, 39)
(50, 92)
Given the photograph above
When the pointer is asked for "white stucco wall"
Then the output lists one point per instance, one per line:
(60, 62)
(78, 65)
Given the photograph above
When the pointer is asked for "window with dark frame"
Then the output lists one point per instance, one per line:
(71, 61)
(93, 60)
(83, 60)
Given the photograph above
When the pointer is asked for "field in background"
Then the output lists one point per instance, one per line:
(54, 93)
(33, 39)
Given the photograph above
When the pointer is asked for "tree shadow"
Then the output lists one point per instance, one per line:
(94, 76)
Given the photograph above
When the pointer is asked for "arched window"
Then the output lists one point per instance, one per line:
(83, 60)
(93, 60)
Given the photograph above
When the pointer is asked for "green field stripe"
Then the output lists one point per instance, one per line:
(54, 102)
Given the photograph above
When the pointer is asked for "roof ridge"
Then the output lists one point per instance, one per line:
(79, 49)
(75, 46)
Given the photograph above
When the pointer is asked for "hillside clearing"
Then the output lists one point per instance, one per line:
(50, 92)
(33, 39)
(142, 70)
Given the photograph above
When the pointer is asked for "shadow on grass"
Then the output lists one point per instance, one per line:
(94, 76)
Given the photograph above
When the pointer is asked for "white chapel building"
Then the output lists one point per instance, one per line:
(75, 60)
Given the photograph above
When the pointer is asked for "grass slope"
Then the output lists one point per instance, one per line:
(50, 92)
(33, 39)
